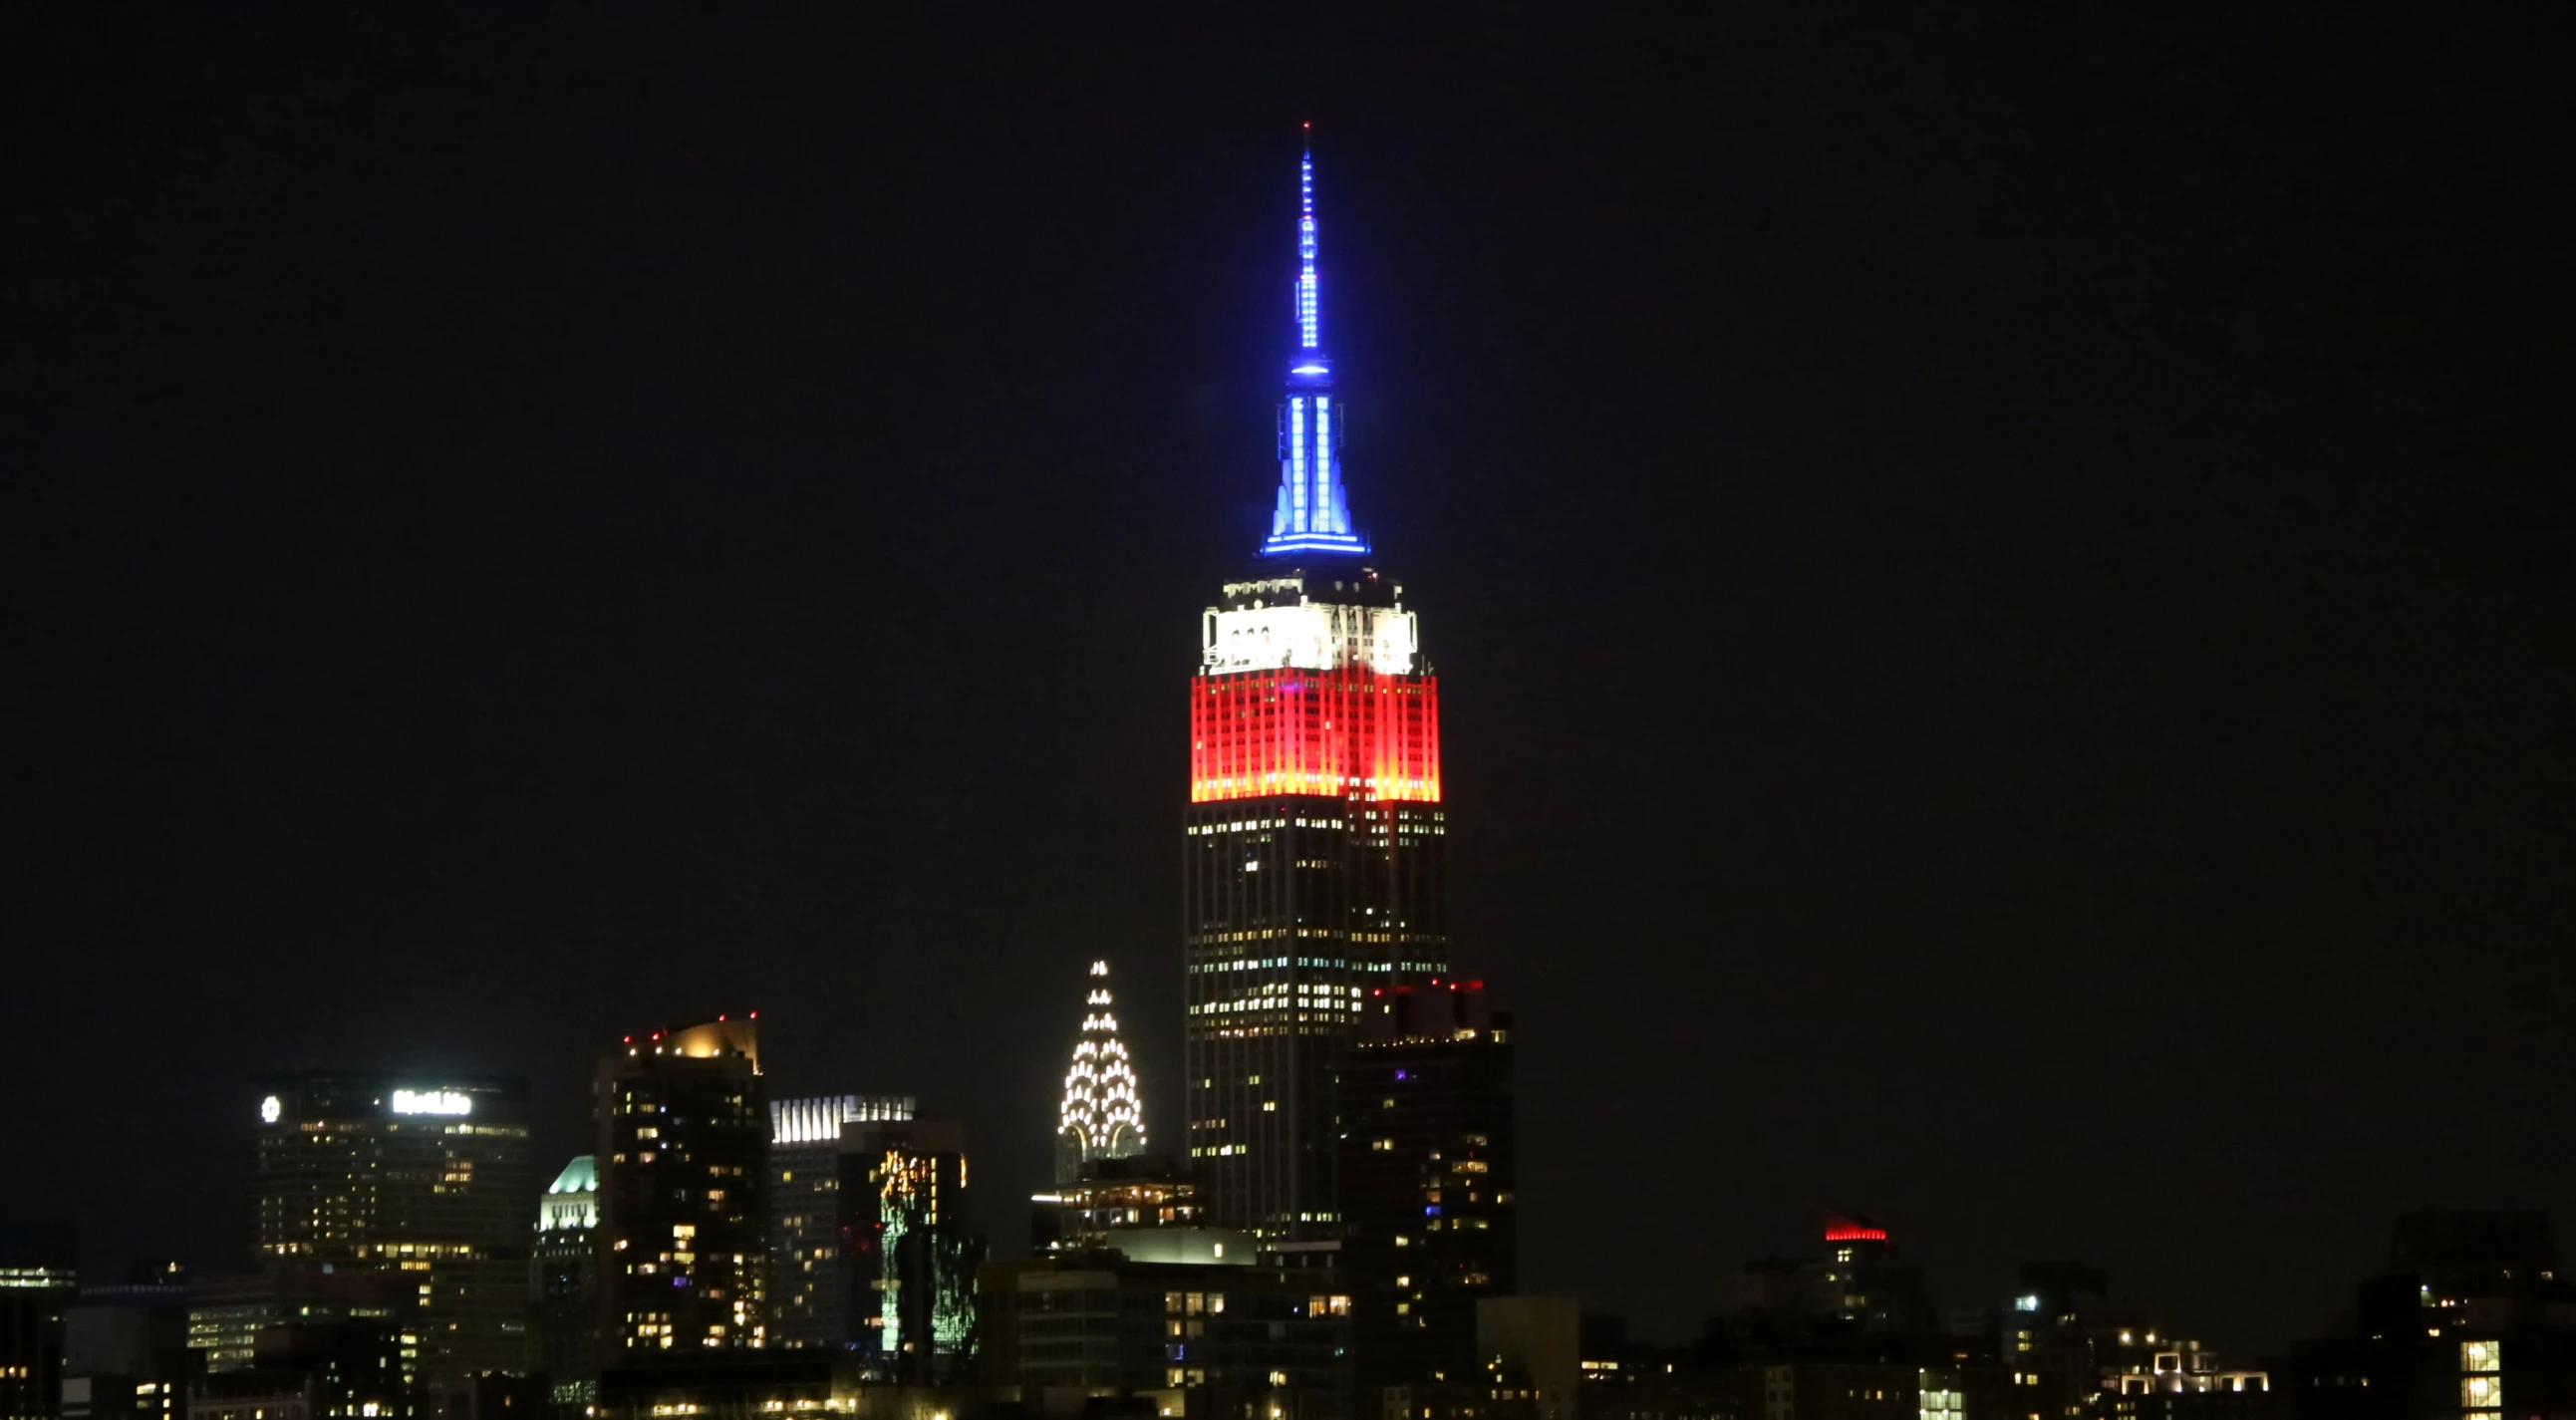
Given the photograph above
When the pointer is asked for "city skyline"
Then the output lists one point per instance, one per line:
(1981, 663)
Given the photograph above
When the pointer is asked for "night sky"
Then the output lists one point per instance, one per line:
(2000, 591)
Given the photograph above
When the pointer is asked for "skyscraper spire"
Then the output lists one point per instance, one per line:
(1309, 315)
(1102, 1116)
(1314, 814)
(1313, 514)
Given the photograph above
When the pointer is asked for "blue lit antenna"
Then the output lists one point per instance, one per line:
(1309, 327)
(1313, 514)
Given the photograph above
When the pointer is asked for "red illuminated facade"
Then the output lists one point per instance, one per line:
(1316, 841)
(1315, 732)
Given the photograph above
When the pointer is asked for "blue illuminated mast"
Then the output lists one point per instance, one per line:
(1313, 514)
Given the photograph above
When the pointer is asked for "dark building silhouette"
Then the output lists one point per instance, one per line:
(125, 1352)
(2472, 1321)
(313, 1371)
(1533, 1348)
(2053, 1329)
(564, 1284)
(1426, 1179)
(1861, 1300)
(427, 1177)
(227, 1314)
(1314, 834)
(2462, 1252)
(37, 1283)
(683, 1161)
(747, 1384)
(2075, 1350)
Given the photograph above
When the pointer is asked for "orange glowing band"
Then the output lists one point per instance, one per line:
(1347, 733)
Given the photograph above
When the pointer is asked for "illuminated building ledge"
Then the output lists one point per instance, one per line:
(1315, 542)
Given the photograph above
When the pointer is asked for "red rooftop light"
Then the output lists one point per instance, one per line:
(1853, 1232)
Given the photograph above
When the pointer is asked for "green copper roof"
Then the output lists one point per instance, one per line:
(579, 1176)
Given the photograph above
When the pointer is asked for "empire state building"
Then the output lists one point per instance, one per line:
(1314, 840)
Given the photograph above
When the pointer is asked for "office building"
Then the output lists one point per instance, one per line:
(1102, 1116)
(564, 1283)
(227, 1314)
(1313, 849)
(340, 1370)
(913, 1259)
(683, 1161)
(1112, 1196)
(1860, 1300)
(36, 1284)
(2071, 1349)
(1196, 1337)
(1864, 1282)
(1427, 1178)
(2471, 1321)
(810, 1286)
(1533, 1348)
(125, 1352)
(425, 1177)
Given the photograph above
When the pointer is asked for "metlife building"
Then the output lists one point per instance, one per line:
(424, 1177)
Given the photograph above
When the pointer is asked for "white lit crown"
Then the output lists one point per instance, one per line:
(1102, 1116)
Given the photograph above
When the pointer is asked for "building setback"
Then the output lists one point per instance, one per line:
(1313, 848)
(422, 1177)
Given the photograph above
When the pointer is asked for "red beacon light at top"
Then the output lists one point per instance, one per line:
(1839, 1231)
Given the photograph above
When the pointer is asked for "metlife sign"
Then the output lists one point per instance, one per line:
(432, 1102)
